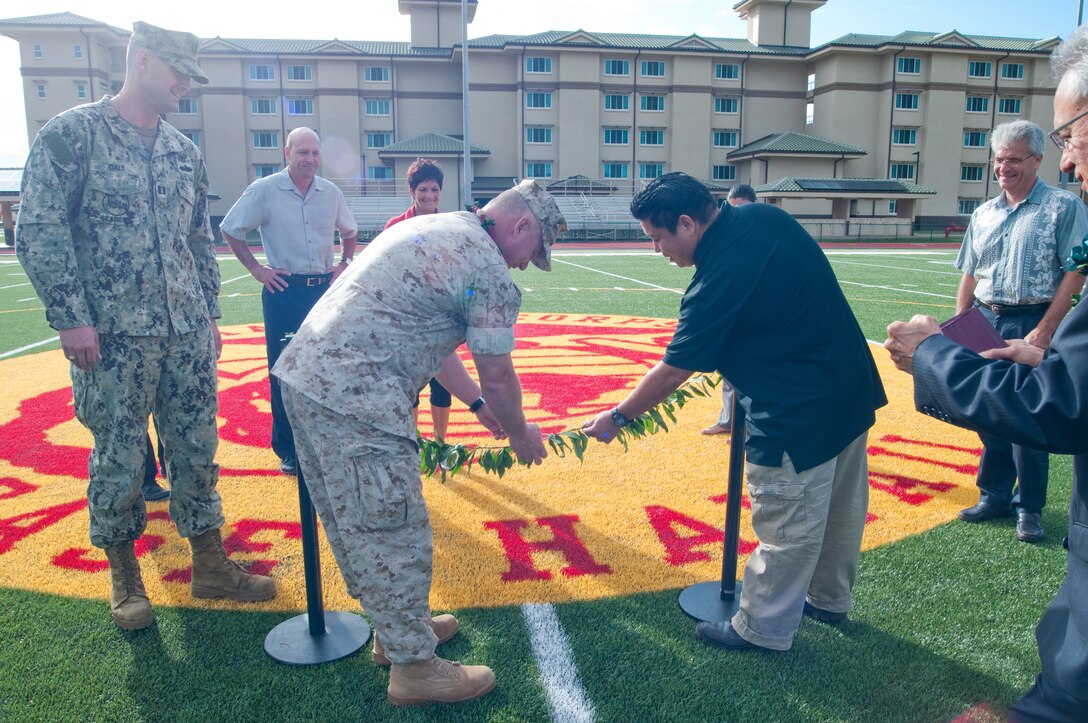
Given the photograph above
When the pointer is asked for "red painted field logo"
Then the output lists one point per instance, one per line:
(619, 523)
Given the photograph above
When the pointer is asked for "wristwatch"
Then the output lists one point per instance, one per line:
(345, 260)
(618, 419)
(475, 406)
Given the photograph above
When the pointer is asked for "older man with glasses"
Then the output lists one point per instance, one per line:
(1013, 259)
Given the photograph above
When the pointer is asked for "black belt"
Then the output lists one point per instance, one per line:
(1013, 309)
(308, 279)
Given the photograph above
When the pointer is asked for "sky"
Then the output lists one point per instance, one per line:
(380, 20)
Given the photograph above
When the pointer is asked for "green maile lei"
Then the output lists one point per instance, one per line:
(485, 221)
(1078, 261)
(449, 459)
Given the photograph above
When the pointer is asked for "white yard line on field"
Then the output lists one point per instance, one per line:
(617, 276)
(555, 659)
(21, 349)
(13, 286)
(952, 272)
(897, 288)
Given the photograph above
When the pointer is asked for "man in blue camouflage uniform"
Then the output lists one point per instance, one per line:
(113, 232)
(391, 322)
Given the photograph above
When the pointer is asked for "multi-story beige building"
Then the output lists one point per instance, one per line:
(862, 127)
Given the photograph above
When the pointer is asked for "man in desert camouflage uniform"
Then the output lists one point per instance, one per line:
(114, 234)
(350, 376)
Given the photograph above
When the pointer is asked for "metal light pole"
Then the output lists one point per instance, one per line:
(466, 183)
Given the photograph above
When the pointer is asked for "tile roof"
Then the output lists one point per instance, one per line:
(950, 38)
(818, 186)
(431, 143)
(792, 142)
(70, 19)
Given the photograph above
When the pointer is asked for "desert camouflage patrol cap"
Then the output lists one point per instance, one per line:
(176, 48)
(547, 213)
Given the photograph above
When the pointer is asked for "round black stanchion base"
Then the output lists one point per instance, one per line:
(290, 642)
(704, 602)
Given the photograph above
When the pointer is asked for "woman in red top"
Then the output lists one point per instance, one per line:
(425, 186)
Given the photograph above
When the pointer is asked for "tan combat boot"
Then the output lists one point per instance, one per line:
(129, 606)
(438, 680)
(214, 575)
(444, 626)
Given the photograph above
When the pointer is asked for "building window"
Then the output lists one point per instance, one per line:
(378, 106)
(653, 69)
(652, 103)
(41, 91)
(300, 106)
(615, 170)
(904, 136)
(263, 106)
(77, 51)
(264, 170)
(299, 72)
(187, 106)
(972, 173)
(650, 170)
(891, 207)
(651, 137)
(380, 173)
(538, 169)
(906, 101)
(617, 102)
(37, 51)
(266, 139)
(974, 139)
(262, 71)
(538, 134)
(376, 74)
(378, 140)
(978, 69)
(538, 100)
(615, 136)
(726, 71)
(725, 139)
(81, 91)
(194, 136)
(909, 66)
(726, 105)
(978, 104)
(1009, 105)
(616, 67)
(724, 173)
(538, 64)
(967, 206)
(901, 171)
(1012, 71)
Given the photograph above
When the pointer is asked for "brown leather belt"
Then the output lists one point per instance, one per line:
(1013, 309)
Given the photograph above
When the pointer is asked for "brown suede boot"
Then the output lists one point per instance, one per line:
(444, 626)
(129, 606)
(438, 680)
(214, 575)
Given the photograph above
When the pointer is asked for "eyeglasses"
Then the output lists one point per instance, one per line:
(1008, 161)
(1062, 142)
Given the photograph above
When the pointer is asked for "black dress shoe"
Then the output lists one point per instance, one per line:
(722, 635)
(289, 466)
(153, 492)
(1029, 527)
(824, 616)
(985, 511)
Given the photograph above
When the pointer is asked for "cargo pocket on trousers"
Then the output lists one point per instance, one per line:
(383, 500)
(778, 511)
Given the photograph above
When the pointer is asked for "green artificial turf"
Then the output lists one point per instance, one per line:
(943, 620)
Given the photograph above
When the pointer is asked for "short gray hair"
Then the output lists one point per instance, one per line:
(1071, 58)
(1014, 132)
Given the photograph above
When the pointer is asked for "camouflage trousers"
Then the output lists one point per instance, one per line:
(366, 488)
(173, 378)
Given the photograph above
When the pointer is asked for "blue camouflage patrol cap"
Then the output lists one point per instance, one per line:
(176, 48)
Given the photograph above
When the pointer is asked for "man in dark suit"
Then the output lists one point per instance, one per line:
(1035, 400)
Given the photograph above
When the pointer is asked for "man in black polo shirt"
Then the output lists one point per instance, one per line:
(765, 310)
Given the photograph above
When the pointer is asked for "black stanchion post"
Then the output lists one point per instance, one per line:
(314, 637)
(714, 601)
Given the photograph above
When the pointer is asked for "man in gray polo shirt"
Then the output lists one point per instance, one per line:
(297, 212)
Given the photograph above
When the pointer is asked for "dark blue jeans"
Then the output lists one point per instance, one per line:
(1009, 474)
(284, 312)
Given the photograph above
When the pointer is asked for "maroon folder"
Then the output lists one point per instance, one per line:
(972, 330)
